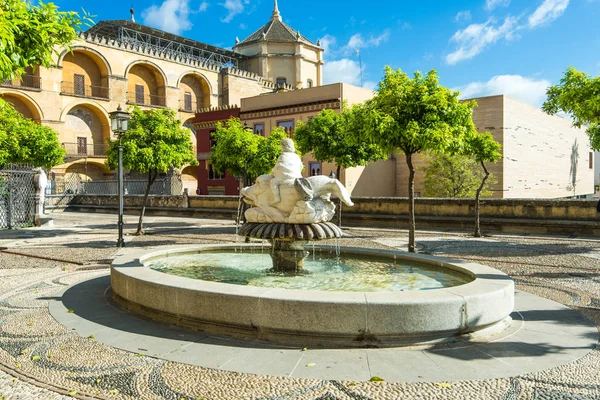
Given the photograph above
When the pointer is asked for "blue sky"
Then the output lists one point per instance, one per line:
(482, 47)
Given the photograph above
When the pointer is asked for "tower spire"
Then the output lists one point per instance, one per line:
(275, 15)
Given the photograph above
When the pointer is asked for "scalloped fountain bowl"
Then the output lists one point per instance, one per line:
(437, 299)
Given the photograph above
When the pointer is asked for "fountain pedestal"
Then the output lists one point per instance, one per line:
(288, 240)
(288, 256)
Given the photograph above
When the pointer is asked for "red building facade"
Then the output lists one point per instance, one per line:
(209, 181)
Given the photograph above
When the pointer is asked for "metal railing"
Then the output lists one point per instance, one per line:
(17, 196)
(146, 100)
(85, 150)
(25, 81)
(70, 88)
(169, 185)
(187, 106)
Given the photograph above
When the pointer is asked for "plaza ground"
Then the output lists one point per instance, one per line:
(41, 358)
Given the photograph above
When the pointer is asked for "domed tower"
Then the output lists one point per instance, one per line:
(282, 55)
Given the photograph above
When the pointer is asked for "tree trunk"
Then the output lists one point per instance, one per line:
(151, 178)
(477, 193)
(411, 204)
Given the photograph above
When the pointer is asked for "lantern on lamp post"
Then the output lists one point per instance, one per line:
(118, 123)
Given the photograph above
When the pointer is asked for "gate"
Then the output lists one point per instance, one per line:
(17, 196)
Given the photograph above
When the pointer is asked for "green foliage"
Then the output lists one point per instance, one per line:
(414, 116)
(31, 34)
(454, 176)
(337, 138)
(25, 141)
(482, 147)
(155, 142)
(578, 95)
(240, 151)
(418, 114)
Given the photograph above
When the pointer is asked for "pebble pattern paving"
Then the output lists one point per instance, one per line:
(41, 359)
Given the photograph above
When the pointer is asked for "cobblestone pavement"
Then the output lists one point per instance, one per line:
(41, 359)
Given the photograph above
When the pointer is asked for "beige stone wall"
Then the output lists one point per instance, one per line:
(235, 88)
(374, 180)
(542, 153)
(419, 163)
(488, 116)
(297, 62)
(282, 66)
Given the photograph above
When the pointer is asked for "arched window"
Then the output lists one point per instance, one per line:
(281, 81)
(309, 83)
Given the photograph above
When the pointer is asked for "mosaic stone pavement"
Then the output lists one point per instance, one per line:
(41, 359)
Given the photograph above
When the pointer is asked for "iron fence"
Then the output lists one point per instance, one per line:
(17, 196)
(25, 81)
(84, 149)
(81, 89)
(72, 184)
(169, 185)
(142, 99)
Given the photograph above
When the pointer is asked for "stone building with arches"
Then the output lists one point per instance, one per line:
(123, 63)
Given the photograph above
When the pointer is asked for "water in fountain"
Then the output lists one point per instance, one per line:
(328, 273)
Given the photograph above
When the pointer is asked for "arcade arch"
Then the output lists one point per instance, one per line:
(24, 105)
(146, 85)
(86, 131)
(194, 92)
(85, 73)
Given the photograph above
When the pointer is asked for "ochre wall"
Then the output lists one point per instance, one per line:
(82, 64)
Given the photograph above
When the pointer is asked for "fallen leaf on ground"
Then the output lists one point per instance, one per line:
(35, 358)
(310, 364)
(376, 379)
(70, 310)
(443, 384)
(72, 393)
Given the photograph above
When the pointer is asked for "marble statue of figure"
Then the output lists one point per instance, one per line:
(284, 196)
(41, 181)
(287, 169)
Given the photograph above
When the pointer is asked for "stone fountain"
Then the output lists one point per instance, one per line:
(289, 210)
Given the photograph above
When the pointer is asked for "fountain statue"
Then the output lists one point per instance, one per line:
(289, 210)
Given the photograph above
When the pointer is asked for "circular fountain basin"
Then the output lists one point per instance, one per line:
(317, 317)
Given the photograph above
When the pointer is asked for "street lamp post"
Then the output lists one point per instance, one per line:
(118, 123)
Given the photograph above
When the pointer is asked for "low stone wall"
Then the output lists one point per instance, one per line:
(565, 217)
(111, 201)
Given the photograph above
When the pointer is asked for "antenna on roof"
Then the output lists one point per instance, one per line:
(132, 12)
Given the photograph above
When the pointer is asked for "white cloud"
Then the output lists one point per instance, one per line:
(476, 37)
(327, 43)
(548, 11)
(491, 4)
(344, 70)
(234, 7)
(357, 41)
(171, 16)
(406, 26)
(528, 90)
(463, 16)
(370, 85)
(203, 6)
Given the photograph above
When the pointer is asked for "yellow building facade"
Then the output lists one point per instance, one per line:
(123, 63)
